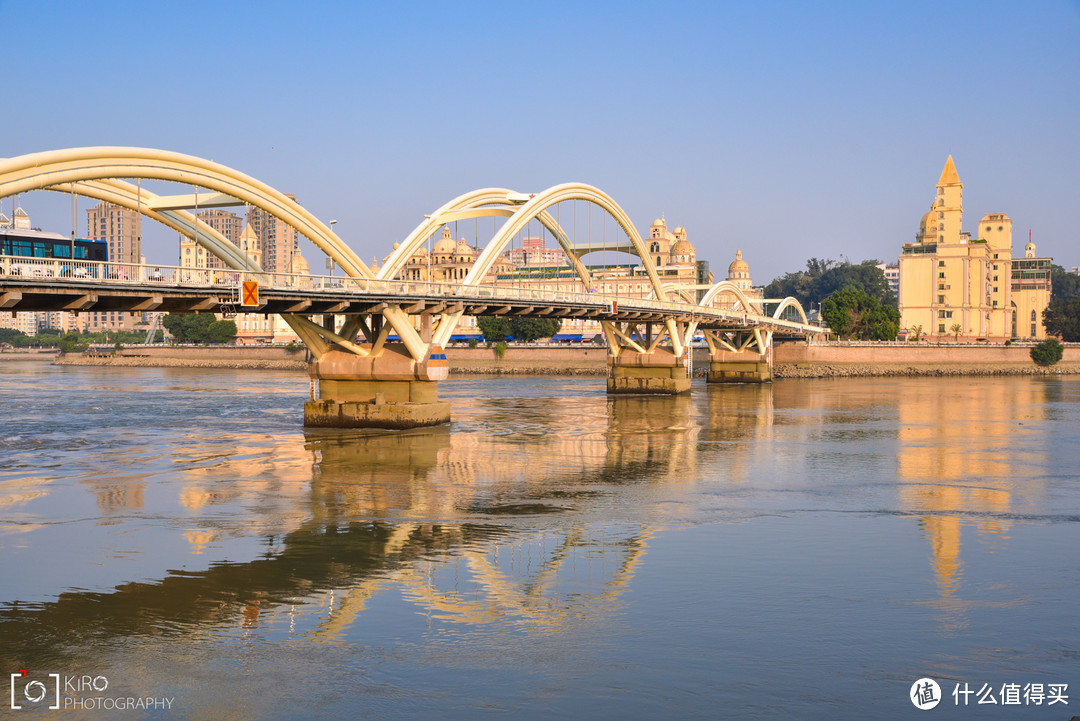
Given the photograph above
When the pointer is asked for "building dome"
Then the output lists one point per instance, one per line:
(683, 247)
(463, 248)
(421, 251)
(738, 265)
(445, 246)
(374, 267)
(660, 221)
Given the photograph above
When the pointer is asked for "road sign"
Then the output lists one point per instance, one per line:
(250, 294)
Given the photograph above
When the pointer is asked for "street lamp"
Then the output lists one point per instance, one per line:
(329, 260)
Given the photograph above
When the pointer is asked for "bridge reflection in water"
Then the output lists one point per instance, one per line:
(542, 529)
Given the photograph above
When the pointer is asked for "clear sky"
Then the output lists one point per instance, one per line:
(786, 129)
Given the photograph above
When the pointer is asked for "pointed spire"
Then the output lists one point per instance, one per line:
(949, 175)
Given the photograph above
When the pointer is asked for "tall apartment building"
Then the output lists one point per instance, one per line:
(227, 223)
(949, 279)
(122, 230)
(280, 242)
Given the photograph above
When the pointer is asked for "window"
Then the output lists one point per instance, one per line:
(995, 264)
(941, 215)
(940, 327)
(995, 256)
(995, 304)
(941, 286)
(988, 228)
(941, 299)
(941, 314)
(1033, 319)
(995, 280)
(941, 264)
(940, 275)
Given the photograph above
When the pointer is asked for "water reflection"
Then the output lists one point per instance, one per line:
(960, 463)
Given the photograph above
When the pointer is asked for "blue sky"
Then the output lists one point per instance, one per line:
(786, 129)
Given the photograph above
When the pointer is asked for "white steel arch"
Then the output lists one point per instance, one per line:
(726, 286)
(126, 195)
(37, 171)
(790, 302)
(538, 204)
(499, 202)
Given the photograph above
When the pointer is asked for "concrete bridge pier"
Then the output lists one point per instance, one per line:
(658, 372)
(744, 367)
(388, 390)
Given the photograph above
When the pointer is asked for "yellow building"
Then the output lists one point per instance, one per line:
(952, 285)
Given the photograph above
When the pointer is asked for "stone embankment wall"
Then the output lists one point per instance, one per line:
(799, 360)
(790, 360)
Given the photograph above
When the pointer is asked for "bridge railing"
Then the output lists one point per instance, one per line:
(63, 271)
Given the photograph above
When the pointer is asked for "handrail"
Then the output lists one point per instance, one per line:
(63, 271)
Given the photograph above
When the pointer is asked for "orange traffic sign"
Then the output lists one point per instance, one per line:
(250, 295)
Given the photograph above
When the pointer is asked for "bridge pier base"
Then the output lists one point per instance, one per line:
(659, 372)
(755, 369)
(388, 391)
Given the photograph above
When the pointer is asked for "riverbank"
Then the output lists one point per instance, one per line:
(792, 361)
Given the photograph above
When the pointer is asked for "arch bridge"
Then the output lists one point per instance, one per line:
(378, 380)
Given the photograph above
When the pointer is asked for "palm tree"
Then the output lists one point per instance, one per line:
(956, 328)
(916, 332)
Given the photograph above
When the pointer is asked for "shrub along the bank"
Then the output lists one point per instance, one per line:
(1048, 352)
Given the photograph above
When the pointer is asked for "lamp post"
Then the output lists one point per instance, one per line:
(329, 260)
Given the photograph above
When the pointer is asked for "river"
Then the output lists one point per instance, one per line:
(806, 549)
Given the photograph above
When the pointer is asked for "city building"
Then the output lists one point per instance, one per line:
(531, 265)
(279, 242)
(892, 277)
(122, 230)
(951, 284)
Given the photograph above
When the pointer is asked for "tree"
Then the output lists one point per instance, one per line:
(822, 278)
(199, 328)
(498, 328)
(1062, 317)
(221, 331)
(853, 313)
(530, 329)
(494, 328)
(956, 328)
(1048, 352)
(916, 332)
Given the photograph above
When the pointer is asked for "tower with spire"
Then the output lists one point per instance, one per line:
(954, 287)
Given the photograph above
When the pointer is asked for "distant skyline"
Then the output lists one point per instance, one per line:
(786, 129)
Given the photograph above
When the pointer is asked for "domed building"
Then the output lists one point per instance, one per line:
(738, 273)
(669, 248)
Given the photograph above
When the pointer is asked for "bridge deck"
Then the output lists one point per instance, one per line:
(44, 288)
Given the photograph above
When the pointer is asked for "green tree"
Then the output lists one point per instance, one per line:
(494, 328)
(916, 332)
(198, 328)
(221, 331)
(1062, 317)
(530, 329)
(822, 278)
(853, 313)
(956, 328)
(1048, 352)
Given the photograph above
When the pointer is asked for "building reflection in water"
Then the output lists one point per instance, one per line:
(960, 446)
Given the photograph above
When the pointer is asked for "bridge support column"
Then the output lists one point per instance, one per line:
(390, 390)
(659, 372)
(745, 367)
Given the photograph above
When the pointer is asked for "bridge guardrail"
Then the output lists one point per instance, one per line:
(50, 270)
